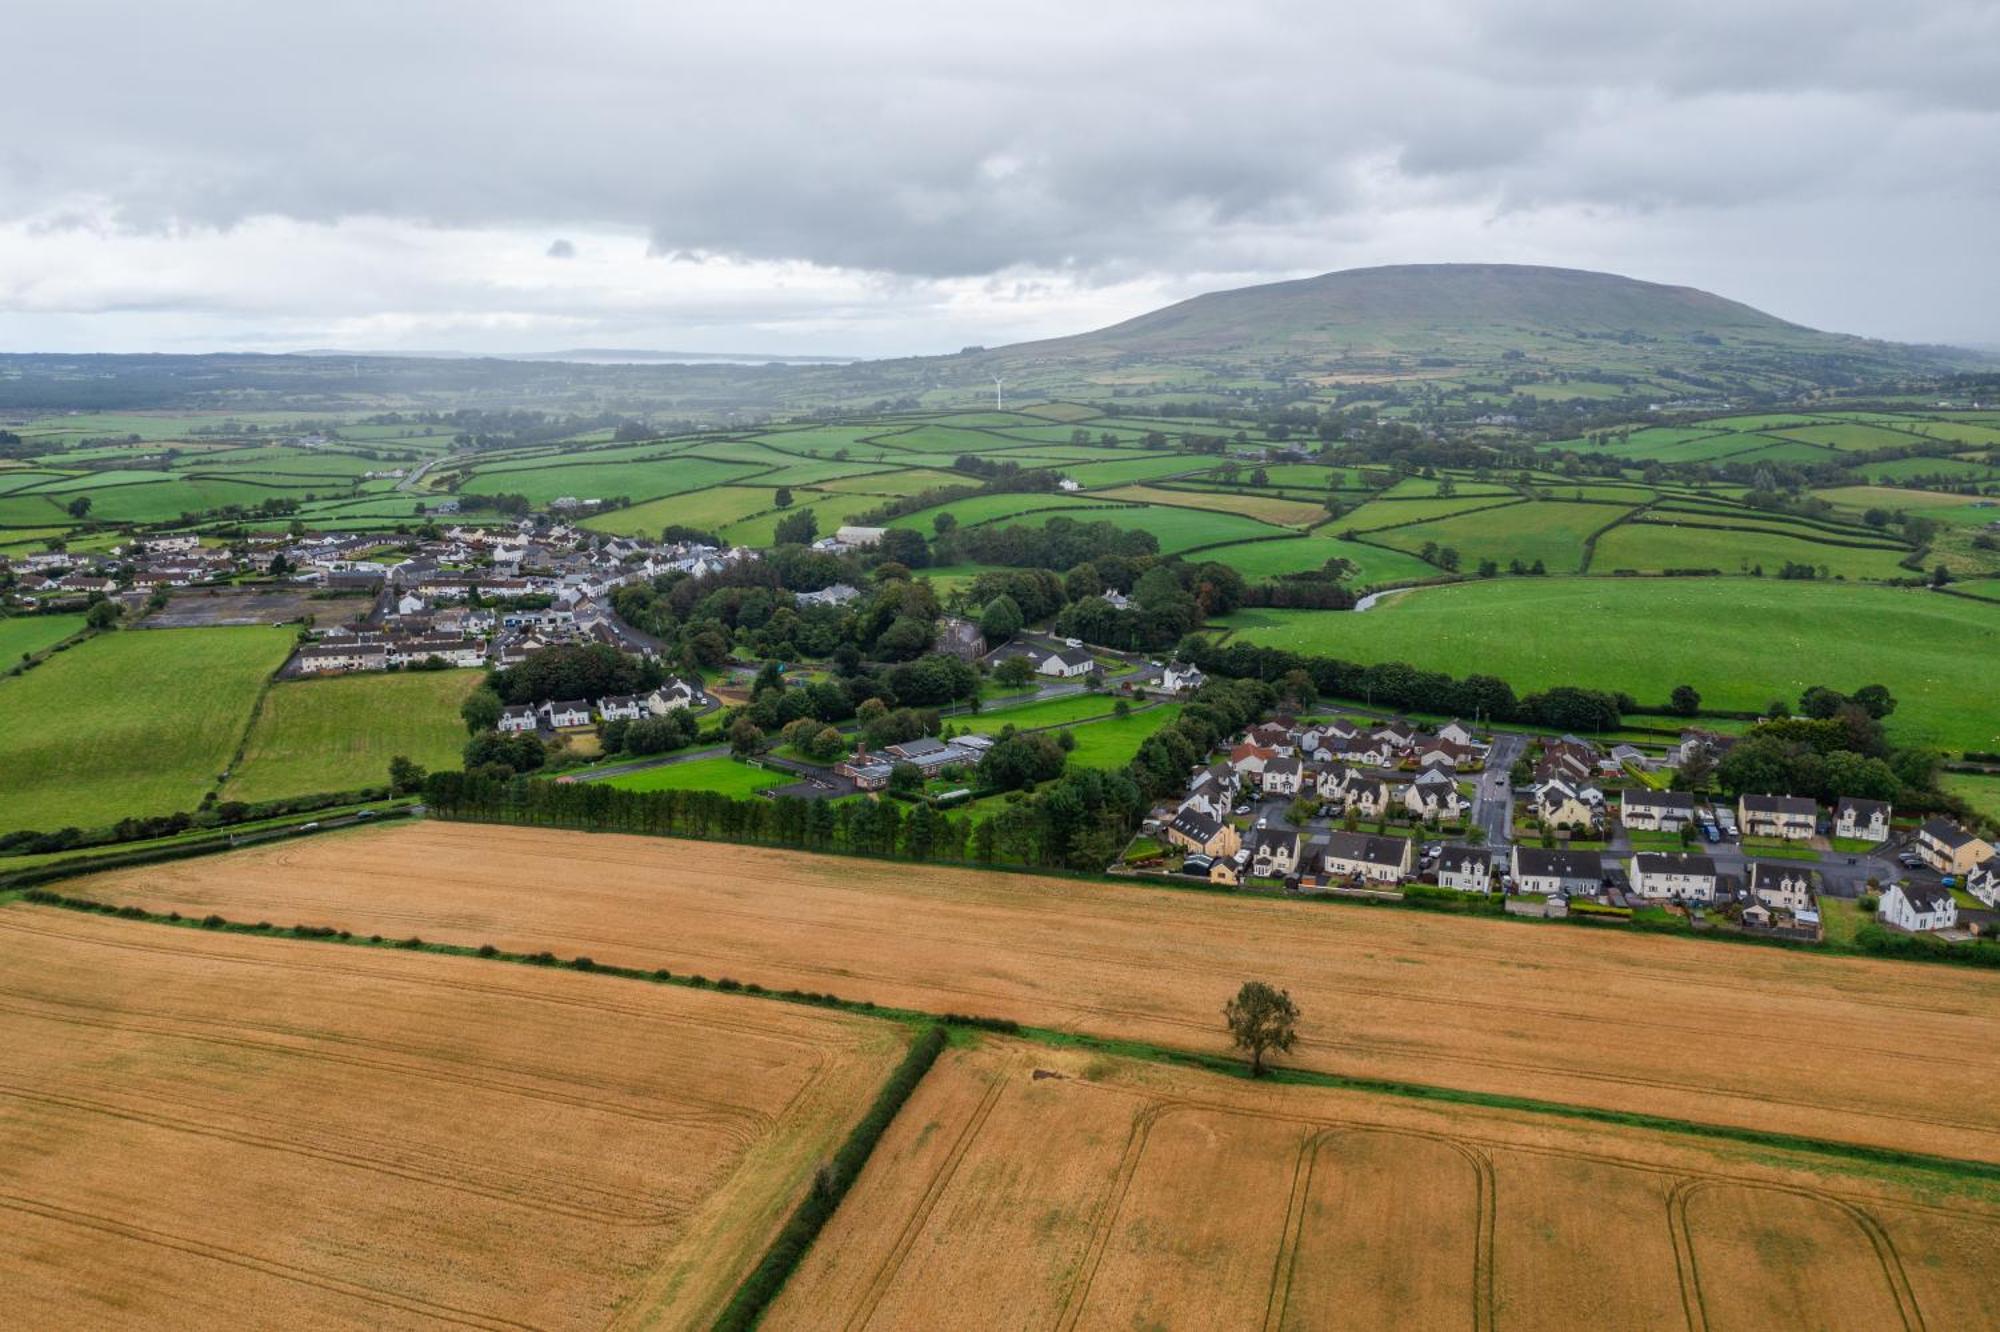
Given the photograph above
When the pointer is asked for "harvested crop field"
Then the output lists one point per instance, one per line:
(1052, 1188)
(214, 1130)
(1879, 1052)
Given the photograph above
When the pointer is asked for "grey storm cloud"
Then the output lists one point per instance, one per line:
(927, 142)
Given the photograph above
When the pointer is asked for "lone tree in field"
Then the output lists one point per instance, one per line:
(1261, 1018)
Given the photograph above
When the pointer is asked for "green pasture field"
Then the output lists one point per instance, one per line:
(1380, 513)
(1740, 642)
(104, 480)
(592, 480)
(1979, 790)
(709, 510)
(32, 511)
(1148, 467)
(1258, 560)
(1670, 445)
(1851, 436)
(1943, 506)
(1790, 451)
(339, 734)
(1111, 743)
(13, 479)
(980, 509)
(1048, 712)
(724, 775)
(813, 471)
(948, 578)
(1954, 469)
(1959, 432)
(24, 635)
(1184, 530)
(910, 481)
(831, 511)
(1552, 531)
(947, 439)
(530, 460)
(1249, 503)
(137, 722)
(1777, 421)
(1615, 494)
(1654, 546)
(27, 540)
(1426, 487)
(1833, 528)
(168, 499)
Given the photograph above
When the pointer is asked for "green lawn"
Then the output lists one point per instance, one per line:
(1111, 743)
(1048, 712)
(1741, 642)
(23, 635)
(138, 722)
(721, 774)
(339, 734)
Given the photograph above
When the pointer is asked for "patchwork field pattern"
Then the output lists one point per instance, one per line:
(1047, 1188)
(1876, 1052)
(214, 1130)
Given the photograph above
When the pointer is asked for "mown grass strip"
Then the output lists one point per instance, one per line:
(1224, 1065)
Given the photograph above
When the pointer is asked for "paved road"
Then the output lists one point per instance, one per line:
(1493, 797)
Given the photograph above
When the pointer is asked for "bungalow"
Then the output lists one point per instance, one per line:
(515, 720)
(1436, 751)
(1863, 820)
(1559, 804)
(623, 707)
(1203, 835)
(1469, 869)
(1916, 909)
(1680, 875)
(1656, 811)
(1281, 776)
(1066, 663)
(1274, 853)
(1358, 855)
(1781, 887)
(1573, 873)
(1793, 818)
(1434, 795)
(575, 712)
(1948, 848)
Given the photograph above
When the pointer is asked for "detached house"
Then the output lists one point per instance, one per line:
(1434, 795)
(515, 720)
(1656, 811)
(1950, 849)
(1182, 679)
(1206, 836)
(1781, 887)
(1274, 854)
(1917, 909)
(573, 712)
(1792, 818)
(1574, 873)
(623, 707)
(1559, 804)
(1983, 881)
(1346, 855)
(1680, 876)
(1066, 663)
(1469, 869)
(1281, 776)
(1863, 820)
(1370, 797)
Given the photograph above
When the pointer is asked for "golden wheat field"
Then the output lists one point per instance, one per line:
(1879, 1052)
(203, 1130)
(1029, 1187)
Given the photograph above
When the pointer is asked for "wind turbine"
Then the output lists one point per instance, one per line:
(997, 382)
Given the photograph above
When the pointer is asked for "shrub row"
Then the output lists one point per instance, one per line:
(830, 1184)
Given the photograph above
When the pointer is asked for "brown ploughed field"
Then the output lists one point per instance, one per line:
(206, 1130)
(1118, 1194)
(1863, 1050)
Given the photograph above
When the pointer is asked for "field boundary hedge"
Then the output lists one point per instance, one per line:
(829, 1186)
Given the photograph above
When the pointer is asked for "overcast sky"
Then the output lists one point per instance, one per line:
(873, 179)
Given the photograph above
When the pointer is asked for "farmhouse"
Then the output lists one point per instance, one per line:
(1469, 869)
(1864, 820)
(1574, 873)
(1779, 886)
(1203, 835)
(1917, 909)
(1948, 848)
(575, 712)
(1182, 679)
(1678, 875)
(1346, 855)
(1792, 818)
(1656, 811)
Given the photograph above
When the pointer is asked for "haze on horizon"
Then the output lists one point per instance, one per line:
(894, 178)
